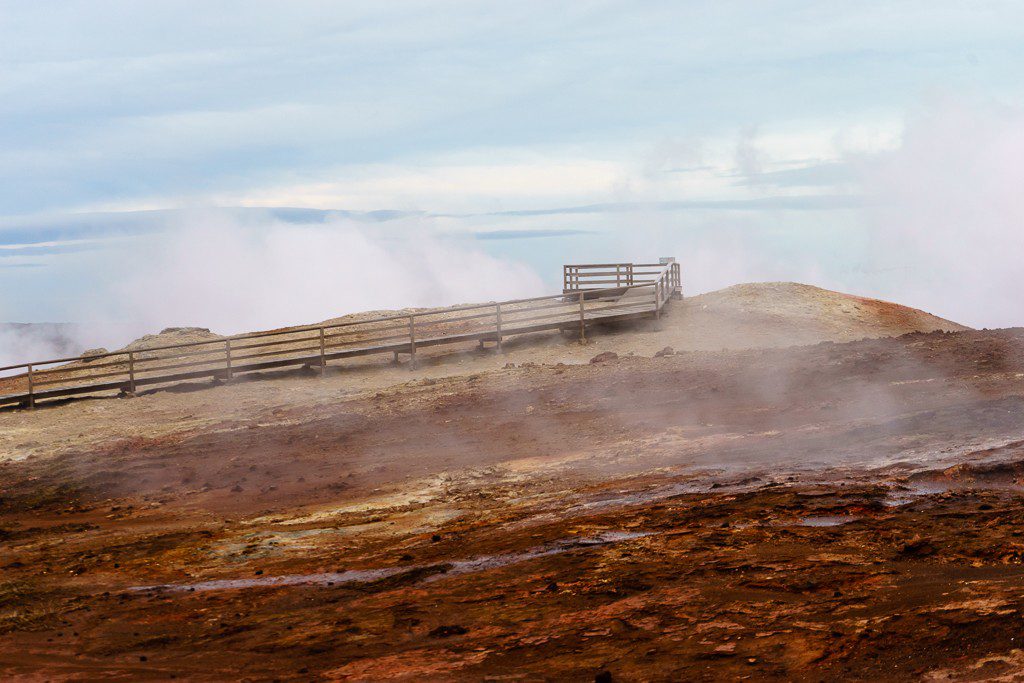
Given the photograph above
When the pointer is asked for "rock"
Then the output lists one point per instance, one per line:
(604, 357)
(89, 355)
(185, 330)
(667, 351)
(917, 547)
(447, 631)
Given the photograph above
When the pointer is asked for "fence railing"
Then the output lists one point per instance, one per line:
(649, 288)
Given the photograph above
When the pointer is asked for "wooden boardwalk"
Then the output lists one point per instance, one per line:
(592, 293)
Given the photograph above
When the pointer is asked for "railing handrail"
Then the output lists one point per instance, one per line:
(327, 326)
(127, 369)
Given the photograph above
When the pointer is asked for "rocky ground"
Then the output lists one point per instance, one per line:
(829, 511)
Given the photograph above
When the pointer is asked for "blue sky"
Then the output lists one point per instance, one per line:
(753, 140)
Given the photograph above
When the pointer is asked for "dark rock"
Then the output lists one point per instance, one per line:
(667, 351)
(917, 547)
(448, 631)
(604, 357)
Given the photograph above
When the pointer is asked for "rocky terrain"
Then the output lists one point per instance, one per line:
(806, 486)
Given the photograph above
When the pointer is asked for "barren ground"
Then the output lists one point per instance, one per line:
(830, 511)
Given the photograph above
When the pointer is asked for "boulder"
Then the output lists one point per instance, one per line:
(90, 355)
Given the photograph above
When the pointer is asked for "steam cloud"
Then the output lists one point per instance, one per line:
(949, 215)
(208, 269)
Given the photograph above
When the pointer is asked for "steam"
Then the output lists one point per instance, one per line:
(211, 269)
(948, 220)
(21, 342)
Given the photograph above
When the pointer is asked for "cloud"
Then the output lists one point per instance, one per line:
(828, 174)
(202, 100)
(527, 234)
(749, 157)
(816, 202)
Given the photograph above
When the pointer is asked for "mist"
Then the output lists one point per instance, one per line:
(946, 212)
(21, 342)
(208, 269)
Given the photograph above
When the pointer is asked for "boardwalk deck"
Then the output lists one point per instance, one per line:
(641, 290)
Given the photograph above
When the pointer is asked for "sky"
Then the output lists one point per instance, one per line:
(237, 165)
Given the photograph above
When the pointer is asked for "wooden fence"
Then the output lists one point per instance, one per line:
(640, 290)
(606, 275)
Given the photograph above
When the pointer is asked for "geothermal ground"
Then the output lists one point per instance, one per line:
(832, 510)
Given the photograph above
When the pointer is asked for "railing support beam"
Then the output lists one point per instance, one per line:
(323, 355)
(497, 322)
(131, 372)
(227, 358)
(412, 342)
(31, 390)
(583, 320)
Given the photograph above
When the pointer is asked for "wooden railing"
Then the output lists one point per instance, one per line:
(644, 292)
(588, 276)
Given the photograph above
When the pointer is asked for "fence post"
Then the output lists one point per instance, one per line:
(497, 318)
(412, 343)
(227, 357)
(131, 371)
(323, 357)
(31, 390)
(583, 326)
(657, 300)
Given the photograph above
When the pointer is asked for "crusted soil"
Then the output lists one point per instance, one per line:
(832, 511)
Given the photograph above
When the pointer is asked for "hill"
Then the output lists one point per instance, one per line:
(771, 314)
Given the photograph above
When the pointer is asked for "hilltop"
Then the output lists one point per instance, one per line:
(770, 314)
